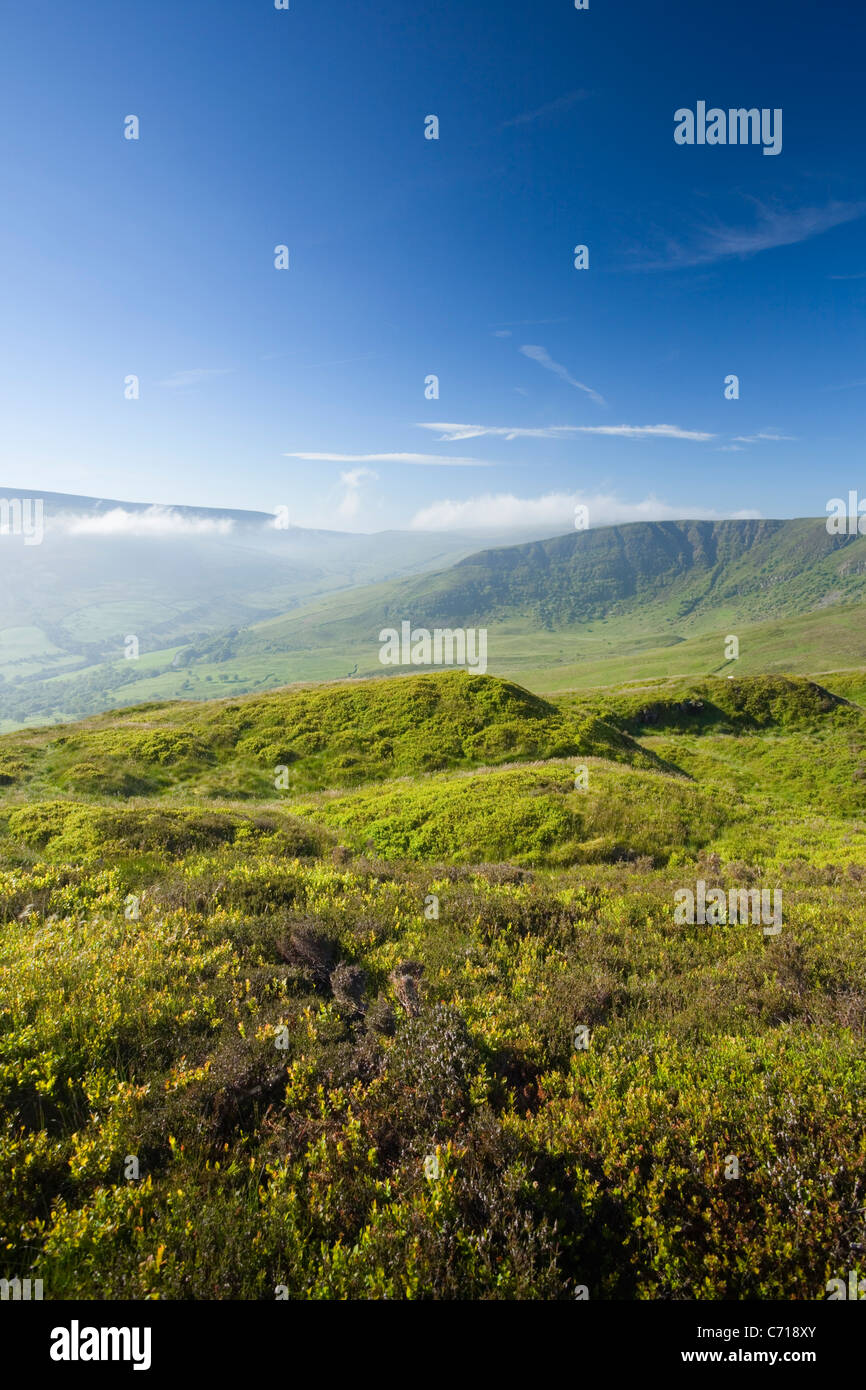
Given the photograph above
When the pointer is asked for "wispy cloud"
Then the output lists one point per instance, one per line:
(194, 377)
(354, 477)
(435, 460)
(766, 435)
(645, 432)
(505, 511)
(451, 433)
(543, 358)
(352, 480)
(550, 108)
(153, 522)
(774, 226)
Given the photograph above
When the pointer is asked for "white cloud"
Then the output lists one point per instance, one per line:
(355, 476)
(153, 522)
(765, 435)
(352, 480)
(645, 432)
(543, 358)
(504, 511)
(450, 433)
(774, 226)
(437, 460)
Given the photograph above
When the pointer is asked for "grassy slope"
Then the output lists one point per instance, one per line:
(427, 994)
(321, 736)
(690, 574)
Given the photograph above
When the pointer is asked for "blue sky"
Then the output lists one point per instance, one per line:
(410, 257)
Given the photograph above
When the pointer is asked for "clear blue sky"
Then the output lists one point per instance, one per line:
(409, 256)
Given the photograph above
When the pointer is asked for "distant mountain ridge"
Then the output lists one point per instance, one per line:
(773, 566)
(677, 572)
(590, 607)
(78, 504)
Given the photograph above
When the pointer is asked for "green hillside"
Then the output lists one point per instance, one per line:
(324, 736)
(422, 1022)
(598, 607)
(688, 574)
